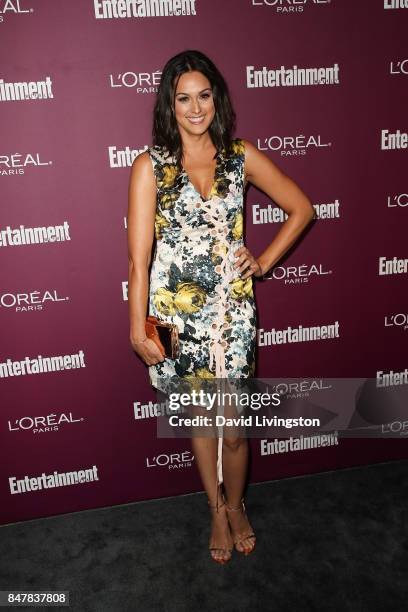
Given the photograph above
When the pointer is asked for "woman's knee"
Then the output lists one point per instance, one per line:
(234, 442)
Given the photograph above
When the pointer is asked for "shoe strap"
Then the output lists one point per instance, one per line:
(241, 507)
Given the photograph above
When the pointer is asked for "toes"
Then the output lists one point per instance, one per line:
(217, 555)
(249, 545)
(240, 547)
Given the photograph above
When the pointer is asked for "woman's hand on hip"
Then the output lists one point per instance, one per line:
(246, 263)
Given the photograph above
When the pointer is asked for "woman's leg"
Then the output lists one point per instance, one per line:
(205, 455)
(235, 467)
(235, 463)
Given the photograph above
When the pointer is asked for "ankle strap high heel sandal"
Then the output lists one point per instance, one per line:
(238, 538)
(224, 550)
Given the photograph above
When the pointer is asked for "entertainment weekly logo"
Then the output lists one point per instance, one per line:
(16, 164)
(123, 158)
(153, 409)
(130, 9)
(26, 90)
(275, 214)
(33, 301)
(395, 4)
(391, 141)
(292, 145)
(297, 334)
(289, 6)
(13, 7)
(392, 266)
(292, 77)
(43, 424)
(142, 82)
(42, 365)
(23, 236)
(27, 484)
(391, 378)
(278, 446)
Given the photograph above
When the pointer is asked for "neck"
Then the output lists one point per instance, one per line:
(195, 144)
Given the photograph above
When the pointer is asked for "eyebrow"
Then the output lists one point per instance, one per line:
(181, 93)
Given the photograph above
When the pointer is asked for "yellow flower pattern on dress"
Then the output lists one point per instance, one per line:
(238, 228)
(159, 223)
(242, 288)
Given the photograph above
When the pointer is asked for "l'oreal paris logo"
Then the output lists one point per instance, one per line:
(143, 82)
(397, 200)
(291, 145)
(30, 301)
(43, 424)
(289, 6)
(399, 67)
(172, 462)
(13, 7)
(295, 275)
(397, 320)
(17, 163)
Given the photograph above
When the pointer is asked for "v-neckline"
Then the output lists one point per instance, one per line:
(217, 161)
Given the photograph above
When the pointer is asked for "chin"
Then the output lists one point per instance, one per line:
(197, 129)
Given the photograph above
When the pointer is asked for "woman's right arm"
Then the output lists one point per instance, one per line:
(140, 229)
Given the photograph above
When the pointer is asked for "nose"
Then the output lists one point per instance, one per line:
(196, 105)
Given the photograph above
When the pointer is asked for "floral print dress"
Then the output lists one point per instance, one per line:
(192, 281)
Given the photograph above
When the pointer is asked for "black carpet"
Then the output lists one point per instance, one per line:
(332, 541)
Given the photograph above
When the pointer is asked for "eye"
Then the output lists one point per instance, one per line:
(182, 99)
(205, 95)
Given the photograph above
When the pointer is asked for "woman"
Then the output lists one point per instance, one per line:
(187, 190)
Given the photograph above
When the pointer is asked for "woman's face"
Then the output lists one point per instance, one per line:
(194, 103)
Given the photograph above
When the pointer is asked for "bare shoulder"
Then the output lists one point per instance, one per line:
(251, 151)
(255, 160)
(142, 168)
(142, 162)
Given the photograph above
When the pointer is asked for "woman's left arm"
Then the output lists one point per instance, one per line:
(264, 174)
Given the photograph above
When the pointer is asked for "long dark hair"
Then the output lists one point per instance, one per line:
(165, 128)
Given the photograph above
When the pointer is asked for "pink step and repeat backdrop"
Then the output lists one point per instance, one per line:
(77, 86)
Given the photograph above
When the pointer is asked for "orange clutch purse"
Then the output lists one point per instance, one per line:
(165, 335)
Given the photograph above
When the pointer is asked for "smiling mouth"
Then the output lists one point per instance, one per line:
(196, 120)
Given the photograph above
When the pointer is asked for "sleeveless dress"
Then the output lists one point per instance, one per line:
(192, 280)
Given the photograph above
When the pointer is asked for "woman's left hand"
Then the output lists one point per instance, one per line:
(246, 263)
